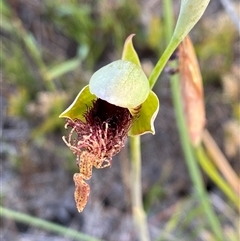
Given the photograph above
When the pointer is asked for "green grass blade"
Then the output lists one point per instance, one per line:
(62, 68)
(212, 172)
(43, 224)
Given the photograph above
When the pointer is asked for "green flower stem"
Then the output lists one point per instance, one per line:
(194, 170)
(209, 168)
(168, 23)
(162, 62)
(168, 19)
(49, 226)
(139, 215)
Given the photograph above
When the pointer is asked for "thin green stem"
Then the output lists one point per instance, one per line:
(193, 167)
(168, 19)
(139, 214)
(162, 62)
(171, 47)
(49, 226)
(194, 170)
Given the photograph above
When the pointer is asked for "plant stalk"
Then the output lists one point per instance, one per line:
(193, 167)
(139, 215)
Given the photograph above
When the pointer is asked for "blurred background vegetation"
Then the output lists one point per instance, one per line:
(49, 49)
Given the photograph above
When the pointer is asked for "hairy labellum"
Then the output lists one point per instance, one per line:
(95, 141)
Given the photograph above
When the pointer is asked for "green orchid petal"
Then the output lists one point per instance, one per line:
(80, 104)
(147, 115)
(150, 107)
(121, 83)
(129, 53)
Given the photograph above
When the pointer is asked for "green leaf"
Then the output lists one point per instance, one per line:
(147, 115)
(129, 53)
(190, 12)
(62, 68)
(209, 168)
(80, 105)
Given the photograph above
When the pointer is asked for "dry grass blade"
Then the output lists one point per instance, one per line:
(221, 162)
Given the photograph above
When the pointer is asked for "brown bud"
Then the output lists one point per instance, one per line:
(192, 91)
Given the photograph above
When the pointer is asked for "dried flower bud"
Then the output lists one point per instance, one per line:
(192, 91)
